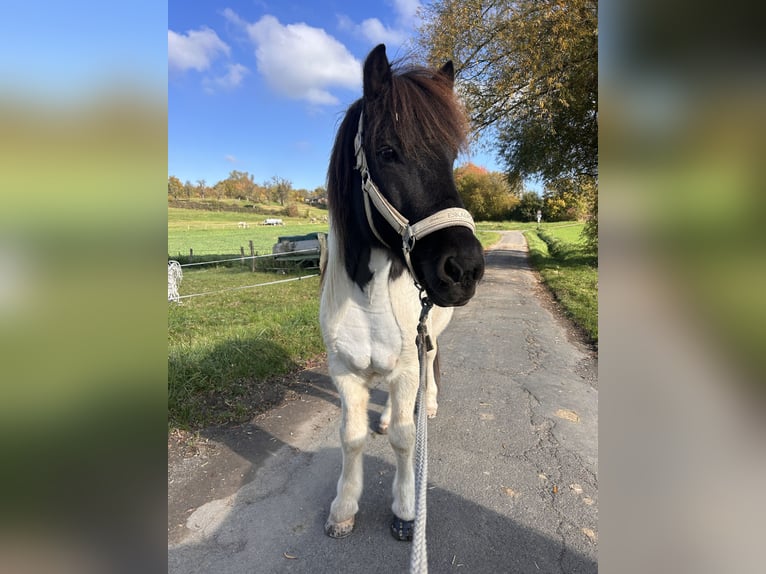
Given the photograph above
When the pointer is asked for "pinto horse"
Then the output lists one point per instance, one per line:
(392, 164)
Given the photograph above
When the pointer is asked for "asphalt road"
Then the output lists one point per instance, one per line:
(513, 467)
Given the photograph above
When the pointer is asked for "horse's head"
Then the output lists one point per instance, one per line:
(412, 129)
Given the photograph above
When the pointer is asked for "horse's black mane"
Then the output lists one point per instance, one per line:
(425, 108)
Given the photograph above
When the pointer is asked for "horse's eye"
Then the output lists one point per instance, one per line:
(387, 153)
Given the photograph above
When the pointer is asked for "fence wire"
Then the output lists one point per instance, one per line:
(175, 274)
(246, 286)
(249, 257)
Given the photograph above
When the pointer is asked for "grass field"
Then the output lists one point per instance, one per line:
(569, 270)
(218, 233)
(227, 351)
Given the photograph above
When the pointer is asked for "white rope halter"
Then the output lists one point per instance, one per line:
(449, 217)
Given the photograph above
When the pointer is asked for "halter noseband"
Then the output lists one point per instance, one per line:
(449, 217)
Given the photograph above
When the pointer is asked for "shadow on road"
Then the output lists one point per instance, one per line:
(275, 524)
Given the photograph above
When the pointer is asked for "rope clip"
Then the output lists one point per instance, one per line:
(408, 239)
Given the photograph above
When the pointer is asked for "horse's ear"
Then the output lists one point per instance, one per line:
(377, 72)
(448, 70)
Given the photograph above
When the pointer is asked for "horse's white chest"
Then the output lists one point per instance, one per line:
(365, 329)
(368, 335)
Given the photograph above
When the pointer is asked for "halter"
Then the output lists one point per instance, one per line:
(449, 217)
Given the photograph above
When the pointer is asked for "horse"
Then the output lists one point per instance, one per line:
(392, 164)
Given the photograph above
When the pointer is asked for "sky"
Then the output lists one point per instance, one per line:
(64, 50)
(261, 86)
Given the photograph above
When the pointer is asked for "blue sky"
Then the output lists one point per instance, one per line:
(261, 86)
(59, 52)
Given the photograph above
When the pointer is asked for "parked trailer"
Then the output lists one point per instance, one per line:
(307, 249)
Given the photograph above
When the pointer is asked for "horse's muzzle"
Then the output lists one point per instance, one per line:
(450, 265)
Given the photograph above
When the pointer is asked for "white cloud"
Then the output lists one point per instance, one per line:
(345, 23)
(300, 61)
(407, 12)
(373, 29)
(195, 49)
(233, 17)
(233, 77)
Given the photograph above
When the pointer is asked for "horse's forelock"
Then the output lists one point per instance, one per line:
(421, 107)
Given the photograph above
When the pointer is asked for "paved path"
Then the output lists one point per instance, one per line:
(513, 464)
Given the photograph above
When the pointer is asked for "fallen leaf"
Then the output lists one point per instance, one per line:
(568, 415)
(509, 491)
(576, 487)
(592, 536)
(289, 556)
(555, 489)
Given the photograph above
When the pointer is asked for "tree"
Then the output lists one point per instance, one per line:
(188, 189)
(201, 188)
(487, 195)
(175, 187)
(526, 210)
(568, 199)
(528, 73)
(240, 185)
(219, 190)
(280, 190)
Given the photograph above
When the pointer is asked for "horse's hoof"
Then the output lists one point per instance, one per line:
(402, 529)
(382, 428)
(339, 529)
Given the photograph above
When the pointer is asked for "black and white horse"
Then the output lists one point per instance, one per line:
(395, 220)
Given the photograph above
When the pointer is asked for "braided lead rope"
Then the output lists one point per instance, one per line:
(419, 555)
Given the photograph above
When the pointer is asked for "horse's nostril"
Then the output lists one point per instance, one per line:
(453, 270)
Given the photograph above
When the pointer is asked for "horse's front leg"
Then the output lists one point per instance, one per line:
(401, 434)
(432, 389)
(354, 396)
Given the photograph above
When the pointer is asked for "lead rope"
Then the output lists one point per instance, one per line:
(419, 555)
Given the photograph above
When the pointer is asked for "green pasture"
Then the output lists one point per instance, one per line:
(227, 351)
(218, 232)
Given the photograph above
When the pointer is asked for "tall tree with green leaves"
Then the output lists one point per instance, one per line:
(527, 71)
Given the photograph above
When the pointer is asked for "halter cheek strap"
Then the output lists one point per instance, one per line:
(410, 233)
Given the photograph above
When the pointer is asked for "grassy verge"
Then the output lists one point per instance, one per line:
(570, 271)
(226, 352)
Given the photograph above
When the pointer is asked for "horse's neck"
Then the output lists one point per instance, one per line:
(379, 293)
